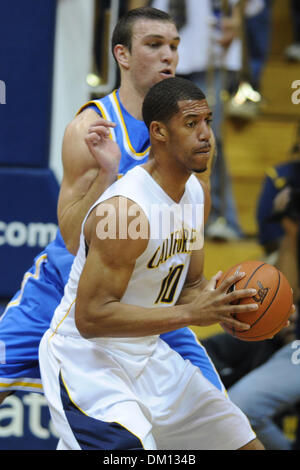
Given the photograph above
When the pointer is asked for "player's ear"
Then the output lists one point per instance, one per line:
(159, 131)
(122, 54)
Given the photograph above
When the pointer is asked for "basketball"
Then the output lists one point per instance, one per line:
(274, 298)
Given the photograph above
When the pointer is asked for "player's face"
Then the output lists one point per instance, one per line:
(189, 135)
(154, 54)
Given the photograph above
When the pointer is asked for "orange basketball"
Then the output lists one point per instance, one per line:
(274, 298)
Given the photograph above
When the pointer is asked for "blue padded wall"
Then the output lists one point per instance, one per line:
(26, 65)
(28, 189)
(27, 221)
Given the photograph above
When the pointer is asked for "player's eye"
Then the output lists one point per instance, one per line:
(153, 44)
(191, 124)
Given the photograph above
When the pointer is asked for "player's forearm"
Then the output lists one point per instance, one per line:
(72, 215)
(120, 320)
(99, 312)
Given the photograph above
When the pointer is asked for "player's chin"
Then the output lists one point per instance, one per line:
(200, 170)
(201, 164)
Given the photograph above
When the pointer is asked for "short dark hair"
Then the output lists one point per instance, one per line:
(161, 101)
(122, 33)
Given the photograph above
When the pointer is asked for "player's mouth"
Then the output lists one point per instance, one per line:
(166, 73)
(203, 150)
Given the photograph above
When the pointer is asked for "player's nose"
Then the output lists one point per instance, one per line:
(204, 131)
(167, 55)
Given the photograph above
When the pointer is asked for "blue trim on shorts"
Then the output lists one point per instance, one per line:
(184, 342)
(93, 434)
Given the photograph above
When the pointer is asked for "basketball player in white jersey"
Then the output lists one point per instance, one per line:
(110, 380)
(144, 44)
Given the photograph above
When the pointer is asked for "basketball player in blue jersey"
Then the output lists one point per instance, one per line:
(110, 380)
(145, 47)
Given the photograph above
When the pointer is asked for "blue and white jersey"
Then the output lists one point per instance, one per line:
(131, 134)
(133, 139)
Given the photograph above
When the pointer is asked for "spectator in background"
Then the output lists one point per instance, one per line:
(210, 54)
(258, 32)
(278, 215)
(283, 176)
(274, 387)
(263, 377)
(246, 100)
(292, 52)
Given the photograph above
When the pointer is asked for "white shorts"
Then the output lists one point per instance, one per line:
(97, 402)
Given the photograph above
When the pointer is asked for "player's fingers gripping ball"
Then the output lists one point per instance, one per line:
(274, 298)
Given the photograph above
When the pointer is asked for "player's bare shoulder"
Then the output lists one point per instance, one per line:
(120, 226)
(82, 121)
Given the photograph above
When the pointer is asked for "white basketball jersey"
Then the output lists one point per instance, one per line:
(160, 271)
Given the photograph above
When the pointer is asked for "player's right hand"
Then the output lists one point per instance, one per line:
(106, 152)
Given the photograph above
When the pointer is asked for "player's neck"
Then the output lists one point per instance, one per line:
(132, 100)
(172, 181)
